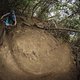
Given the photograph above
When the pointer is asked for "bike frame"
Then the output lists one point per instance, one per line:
(2, 30)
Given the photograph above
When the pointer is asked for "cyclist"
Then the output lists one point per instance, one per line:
(9, 19)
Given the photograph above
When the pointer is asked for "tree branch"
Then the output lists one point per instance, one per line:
(59, 29)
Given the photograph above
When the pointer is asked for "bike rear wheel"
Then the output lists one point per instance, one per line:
(1, 36)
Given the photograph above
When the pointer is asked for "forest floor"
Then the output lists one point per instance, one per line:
(29, 53)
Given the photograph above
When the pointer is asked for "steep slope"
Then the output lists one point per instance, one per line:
(32, 54)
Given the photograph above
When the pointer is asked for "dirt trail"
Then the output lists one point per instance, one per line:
(33, 54)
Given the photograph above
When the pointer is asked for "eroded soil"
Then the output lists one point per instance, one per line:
(33, 54)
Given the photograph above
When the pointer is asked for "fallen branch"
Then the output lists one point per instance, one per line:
(66, 29)
(59, 29)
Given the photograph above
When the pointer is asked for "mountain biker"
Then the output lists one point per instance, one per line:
(9, 19)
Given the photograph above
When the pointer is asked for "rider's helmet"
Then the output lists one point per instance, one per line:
(12, 12)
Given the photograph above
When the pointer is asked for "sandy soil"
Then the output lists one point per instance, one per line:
(33, 54)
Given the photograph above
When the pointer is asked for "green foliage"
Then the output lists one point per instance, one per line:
(64, 12)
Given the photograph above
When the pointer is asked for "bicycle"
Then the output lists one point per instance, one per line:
(2, 30)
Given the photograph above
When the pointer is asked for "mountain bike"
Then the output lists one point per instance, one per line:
(2, 30)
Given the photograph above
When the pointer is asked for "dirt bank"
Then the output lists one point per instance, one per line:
(33, 54)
